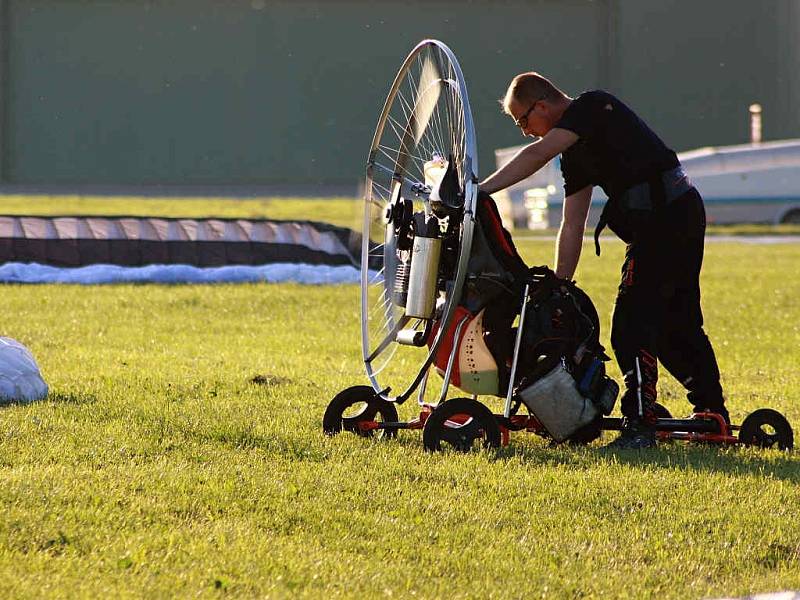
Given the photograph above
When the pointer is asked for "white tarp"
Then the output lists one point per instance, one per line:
(96, 274)
(20, 378)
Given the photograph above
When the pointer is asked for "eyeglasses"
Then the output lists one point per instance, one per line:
(522, 122)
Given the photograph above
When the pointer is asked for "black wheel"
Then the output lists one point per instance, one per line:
(463, 424)
(767, 428)
(792, 217)
(358, 404)
(662, 412)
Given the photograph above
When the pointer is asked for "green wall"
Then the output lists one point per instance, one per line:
(257, 92)
(692, 69)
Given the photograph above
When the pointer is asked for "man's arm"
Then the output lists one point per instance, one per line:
(570, 234)
(529, 160)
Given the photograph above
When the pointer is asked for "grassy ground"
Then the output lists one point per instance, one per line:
(180, 454)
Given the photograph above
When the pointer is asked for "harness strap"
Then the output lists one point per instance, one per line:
(658, 191)
(654, 194)
(601, 224)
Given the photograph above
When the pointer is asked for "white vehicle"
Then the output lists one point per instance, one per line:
(749, 183)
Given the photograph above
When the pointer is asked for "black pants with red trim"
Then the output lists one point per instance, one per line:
(657, 316)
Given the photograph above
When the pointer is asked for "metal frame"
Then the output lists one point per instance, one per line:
(517, 343)
(467, 225)
(450, 360)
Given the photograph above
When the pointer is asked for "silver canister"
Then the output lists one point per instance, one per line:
(421, 301)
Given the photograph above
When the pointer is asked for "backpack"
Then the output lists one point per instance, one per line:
(561, 325)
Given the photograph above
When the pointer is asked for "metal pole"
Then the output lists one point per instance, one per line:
(448, 372)
(755, 124)
(520, 327)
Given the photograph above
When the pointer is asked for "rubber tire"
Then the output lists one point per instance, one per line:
(751, 434)
(483, 420)
(333, 422)
(662, 412)
(792, 217)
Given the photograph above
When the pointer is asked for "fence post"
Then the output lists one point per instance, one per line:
(755, 124)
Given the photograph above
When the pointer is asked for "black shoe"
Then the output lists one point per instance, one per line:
(634, 436)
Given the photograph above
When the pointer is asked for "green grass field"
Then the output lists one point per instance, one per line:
(180, 454)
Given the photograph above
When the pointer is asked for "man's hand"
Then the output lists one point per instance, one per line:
(529, 160)
(570, 234)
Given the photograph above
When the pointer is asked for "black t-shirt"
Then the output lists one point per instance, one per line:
(616, 149)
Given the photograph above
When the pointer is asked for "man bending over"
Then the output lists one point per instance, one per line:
(654, 208)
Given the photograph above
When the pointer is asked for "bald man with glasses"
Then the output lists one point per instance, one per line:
(654, 208)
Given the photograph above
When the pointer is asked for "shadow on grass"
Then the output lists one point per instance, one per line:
(52, 397)
(674, 456)
(6, 403)
(682, 456)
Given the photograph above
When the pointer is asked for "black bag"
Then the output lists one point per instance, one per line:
(561, 324)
